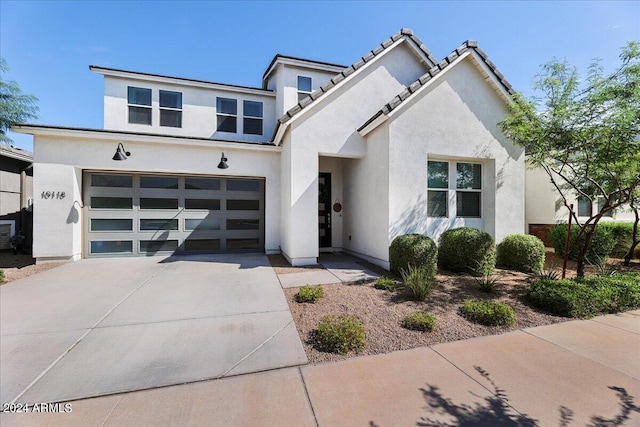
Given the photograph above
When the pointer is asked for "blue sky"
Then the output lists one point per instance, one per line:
(49, 45)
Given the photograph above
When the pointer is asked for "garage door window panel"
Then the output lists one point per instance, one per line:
(202, 204)
(108, 224)
(158, 203)
(243, 224)
(238, 244)
(159, 182)
(123, 203)
(158, 224)
(112, 181)
(158, 245)
(193, 224)
(243, 205)
(243, 185)
(111, 246)
(202, 184)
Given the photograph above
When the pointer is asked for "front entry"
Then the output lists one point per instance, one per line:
(324, 209)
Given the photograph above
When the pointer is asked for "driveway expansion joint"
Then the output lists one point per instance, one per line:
(613, 326)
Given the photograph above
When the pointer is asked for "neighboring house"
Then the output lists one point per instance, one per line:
(16, 192)
(545, 208)
(398, 142)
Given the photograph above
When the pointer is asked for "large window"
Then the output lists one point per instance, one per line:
(454, 187)
(227, 114)
(139, 100)
(304, 87)
(252, 121)
(170, 109)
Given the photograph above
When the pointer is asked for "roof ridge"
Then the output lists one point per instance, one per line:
(297, 58)
(404, 32)
(467, 45)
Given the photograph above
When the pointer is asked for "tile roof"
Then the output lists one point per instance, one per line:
(469, 45)
(295, 58)
(15, 153)
(404, 32)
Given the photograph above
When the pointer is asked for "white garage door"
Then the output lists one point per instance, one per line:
(143, 214)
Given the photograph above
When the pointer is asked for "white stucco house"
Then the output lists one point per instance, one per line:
(320, 157)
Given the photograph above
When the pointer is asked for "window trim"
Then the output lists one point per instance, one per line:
(145, 106)
(452, 189)
(304, 92)
(219, 113)
(468, 190)
(170, 108)
(246, 116)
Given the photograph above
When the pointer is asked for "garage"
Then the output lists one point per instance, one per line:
(131, 214)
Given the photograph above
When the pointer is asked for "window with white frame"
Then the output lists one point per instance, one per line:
(584, 206)
(170, 109)
(454, 187)
(252, 120)
(227, 114)
(139, 103)
(304, 87)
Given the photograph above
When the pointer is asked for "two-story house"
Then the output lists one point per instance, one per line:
(320, 157)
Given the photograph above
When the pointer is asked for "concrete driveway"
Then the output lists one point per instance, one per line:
(103, 326)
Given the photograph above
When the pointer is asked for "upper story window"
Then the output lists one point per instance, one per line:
(227, 114)
(252, 121)
(170, 109)
(441, 189)
(304, 87)
(601, 203)
(139, 100)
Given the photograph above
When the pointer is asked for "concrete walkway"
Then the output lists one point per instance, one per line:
(584, 372)
(102, 326)
(338, 268)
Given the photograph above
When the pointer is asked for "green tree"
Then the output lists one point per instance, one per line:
(635, 236)
(584, 134)
(15, 106)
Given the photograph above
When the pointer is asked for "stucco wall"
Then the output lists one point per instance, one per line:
(198, 110)
(59, 162)
(329, 127)
(454, 119)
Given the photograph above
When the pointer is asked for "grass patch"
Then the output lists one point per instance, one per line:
(386, 284)
(340, 334)
(420, 321)
(487, 312)
(587, 297)
(309, 293)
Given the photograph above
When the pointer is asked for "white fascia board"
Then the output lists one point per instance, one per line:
(374, 124)
(130, 75)
(496, 83)
(17, 156)
(302, 64)
(350, 77)
(130, 137)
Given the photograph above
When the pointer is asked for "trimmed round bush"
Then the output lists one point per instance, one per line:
(467, 250)
(521, 252)
(414, 250)
(420, 321)
(340, 334)
(602, 243)
(308, 293)
(487, 312)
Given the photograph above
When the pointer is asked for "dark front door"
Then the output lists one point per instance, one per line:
(324, 209)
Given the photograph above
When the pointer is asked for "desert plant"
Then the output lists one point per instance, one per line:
(548, 274)
(487, 283)
(587, 297)
(420, 321)
(487, 312)
(309, 293)
(385, 283)
(414, 250)
(418, 282)
(467, 250)
(1, 276)
(521, 252)
(602, 243)
(340, 334)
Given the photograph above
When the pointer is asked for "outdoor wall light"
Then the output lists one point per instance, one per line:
(223, 163)
(121, 153)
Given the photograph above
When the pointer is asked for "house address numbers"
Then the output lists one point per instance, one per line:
(46, 195)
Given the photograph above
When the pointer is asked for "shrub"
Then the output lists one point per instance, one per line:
(521, 252)
(418, 283)
(602, 243)
(487, 283)
(623, 235)
(309, 293)
(385, 283)
(420, 321)
(488, 312)
(340, 334)
(587, 297)
(414, 250)
(1, 276)
(467, 250)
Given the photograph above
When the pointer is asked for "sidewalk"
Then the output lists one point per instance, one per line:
(578, 372)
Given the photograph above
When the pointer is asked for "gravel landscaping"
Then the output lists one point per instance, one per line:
(21, 265)
(382, 312)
